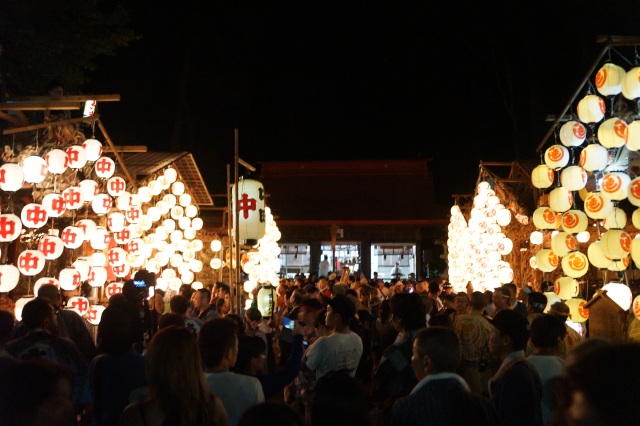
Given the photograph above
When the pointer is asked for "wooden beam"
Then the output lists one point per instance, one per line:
(9, 118)
(119, 159)
(71, 98)
(48, 124)
(39, 105)
(128, 148)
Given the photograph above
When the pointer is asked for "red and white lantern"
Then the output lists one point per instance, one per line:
(10, 227)
(116, 221)
(251, 217)
(9, 277)
(597, 206)
(556, 156)
(612, 133)
(100, 239)
(117, 256)
(594, 157)
(101, 203)
(572, 133)
(54, 204)
(93, 149)
(51, 247)
(609, 79)
(546, 218)
(578, 312)
(97, 276)
(31, 262)
(116, 186)
(122, 237)
(112, 289)
(79, 304)
(34, 216)
(88, 227)
(69, 279)
(121, 271)
(575, 264)
(72, 237)
(591, 109)
(57, 161)
(11, 177)
(574, 221)
(105, 167)
(90, 189)
(35, 169)
(45, 280)
(633, 192)
(77, 157)
(94, 314)
(83, 265)
(614, 186)
(574, 178)
(73, 198)
(133, 214)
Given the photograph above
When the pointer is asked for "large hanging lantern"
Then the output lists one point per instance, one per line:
(578, 313)
(34, 216)
(77, 156)
(69, 279)
(562, 243)
(57, 161)
(72, 237)
(612, 133)
(101, 203)
(31, 262)
(51, 247)
(572, 133)
(54, 204)
(88, 227)
(79, 304)
(266, 300)
(113, 288)
(635, 251)
(619, 265)
(566, 287)
(631, 84)
(596, 206)
(9, 277)
(10, 227)
(617, 219)
(616, 244)
(250, 211)
(116, 221)
(591, 109)
(105, 167)
(633, 192)
(609, 79)
(633, 135)
(574, 178)
(100, 239)
(117, 256)
(560, 199)
(574, 221)
(620, 294)
(97, 276)
(93, 149)
(94, 314)
(546, 260)
(556, 156)
(614, 185)
(546, 218)
(90, 189)
(596, 255)
(116, 186)
(575, 264)
(594, 157)
(73, 198)
(34, 169)
(45, 280)
(11, 177)
(542, 176)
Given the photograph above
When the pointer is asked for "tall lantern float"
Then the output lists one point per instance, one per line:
(251, 219)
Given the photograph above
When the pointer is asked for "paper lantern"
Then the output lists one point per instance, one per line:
(35, 169)
(572, 133)
(631, 84)
(90, 189)
(72, 237)
(504, 246)
(69, 279)
(98, 259)
(177, 188)
(633, 192)
(94, 314)
(73, 198)
(617, 219)
(616, 244)
(10, 227)
(116, 256)
(79, 304)
(578, 313)
(636, 307)
(574, 221)
(171, 174)
(546, 218)
(546, 260)
(54, 204)
(177, 212)
(633, 136)
(251, 218)
(197, 223)
(552, 298)
(11, 177)
(594, 157)
(536, 238)
(57, 161)
(116, 221)
(597, 206)
(566, 287)
(34, 216)
(116, 186)
(9, 277)
(609, 79)
(191, 211)
(83, 265)
(596, 255)
(133, 214)
(123, 270)
(100, 239)
(93, 149)
(266, 299)
(619, 293)
(77, 157)
(124, 201)
(575, 264)
(560, 199)
(556, 156)
(45, 280)
(101, 203)
(51, 247)
(591, 109)
(105, 167)
(113, 288)
(635, 218)
(619, 265)
(635, 251)
(612, 133)
(97, 276)
(574, 178)
(20, 305)
(562, 243)
(88, 227)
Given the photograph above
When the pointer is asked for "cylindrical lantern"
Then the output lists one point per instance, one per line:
(57, 161)
(574, 221)
(562, 243)
(591, 109)
(546, 218)
(617, 219)
(51, 247)
(9, 278)
(572, 133)
(35, 169)
(547, 260)
(616, 243)
(575, 264)
(566, 287)
(556, 156)
(612, 133)
(578, 313)
(34, 216)
(250, 209)
(619, 293)
(54, 204)
(574, 178)
(10, 227)
(594, 157)
(77, 156)
(631, 84)
(116, 186)
(609, 79)
(266, 300)
(11, 177)
(105, 167)
(597, 206)
(560, 199)
(93, 149)
(597, 257)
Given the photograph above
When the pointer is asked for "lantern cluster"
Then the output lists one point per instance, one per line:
(476, 246)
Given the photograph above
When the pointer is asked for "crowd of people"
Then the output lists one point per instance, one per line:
(347, 350)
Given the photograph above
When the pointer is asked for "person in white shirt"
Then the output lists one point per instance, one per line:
(324, 267)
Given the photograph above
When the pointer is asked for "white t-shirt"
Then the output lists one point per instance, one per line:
(548, 367)
(236, 391)
(333, 353)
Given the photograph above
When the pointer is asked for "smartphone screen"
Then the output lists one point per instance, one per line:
(287, 322)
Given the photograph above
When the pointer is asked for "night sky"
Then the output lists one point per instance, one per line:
(455, 83)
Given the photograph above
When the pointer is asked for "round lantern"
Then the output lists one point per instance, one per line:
(635, 218)
(633, 192)
(79, 304)
(73, 198)
(45, 280)
(633, 135)
(54, 204)
(635, 251)
(631, 84)
(556, 156)
(34, 169)
(94, 314)
(594, 157)
(575, 264)
(574, 221)
(619, 265)
(113, 288)
(100, 239)
(93, 149)
(51, 247)
(10, 227)
(31, 262)
(124, 201)
(197, 223)
(20, 305)
(98, 259)
(617, 219)
(105, 167)
(536, 238)
(77, 156)
(101, 203)
(57, 161)
(546, 218)
(9, 277)
(572, 133)
(215, 263)
(11, 177)
(250, 209)
(574, 178)
(133, 214)
(619, 293)
(185, 200)
(116, 221)
(609, 79)
(597, 206)
(34, 216)
(616, 244)
(117, 256)
(69, 279)
(72, 237)
(578, 312)
(596, 256)
(97, 276)
(504, 246)
(191, 211)
(591, 109)
(566, 287)
(116, 186)
(177, 188)
(560, 199)
(88, 227)
(546, 260)
(83, 265)
(562, 243)
(171, 174)
(612, 133)
(122, 270)
(636, 307)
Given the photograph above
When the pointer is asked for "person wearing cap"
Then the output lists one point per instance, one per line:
(514, 303)
(562, 310)
(515, 390)
(523, 294)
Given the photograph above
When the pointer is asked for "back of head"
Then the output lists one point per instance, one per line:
(547, 331)
(560, 310)
(50, 293)
(35, 312)
(253, 314)
(116, 331)
(410, 309)
(513, 289)
(179, 304)
(442, 319)
(248, 347)
(434, 287)
(216, 337)
(339, 400)
(170, 319)
(7, 326)
(512, 324)
(442, 345)
(477, 301)
(538, 301)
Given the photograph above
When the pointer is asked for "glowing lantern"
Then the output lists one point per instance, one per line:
(90, 189)
(9, 277)
(57, 161)
(197, 223)
(633, 136)
(612, 133)
(631, 84)
(177, 188)
(72, 237)
(562, 243)
(117, 256)
(216, 245)
(504, 246)
(596, 206)
(98, 259)
(34, 169)
(594, 157)
(191, 211)
(560, 199)
(572, 133)
(536, 238)
(97, 276)
(83, 266)
(574, 178)
(101, 203)
(100, 239)
(266, 299)
(45, 280)
(546, 260)
(215, 263)
(116, 186)
(10, 227)
(77, 156)
(51, 247)
(575, 264)
(185, 200)
(578, 312)
(616, 244)
(105, 167)
(79, 304)
(566, 287)
(69, 279)
(122, 270)
(633, 192)
(177, 212)
(94, 314)
(133, 214)
(93, 149)
(617, 219)
(73, 198)
(556, 156)
(54, 204)
(171, 174)
(116, 221)
(113, 288)
(609, 79)
(574, 221)
(34, 216)
(591, 109)
(542, 176)
(11, 177)
(596, 255)
(124, 201)
(250, 212)
(88, 227)
(619, 293)
(619, 264)
(545, 218)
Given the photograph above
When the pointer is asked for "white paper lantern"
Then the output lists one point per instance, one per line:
(83, 266)
(98, 258)
(73, 198)
(635, 251)
(633, 192)
(34, 169)
(547, 260)
(619, 265)
(101, 203)
(546, 218)
(10, 227)
(94, 314)
(171, 174)
(116, 256)
(88, 227)
(578, 313)
(563, 243)
(583, 237)
(617, 219)
(536, 238)
(619, 293)
(11, 177)
(57, 161)
(596, 256)
(116, 221)
(591, 109)
(594, 157)
(215, 263)
(504, 246)
(252, 223)
(123, 201)
(34, 216)
(616, 243)
(116, 186)
(574, 221)
(609, 79)
(197, 223)
(77, 156)
(122, 237)
(105, 167)
(560, 199)
(631, 84)
(9, 278)
(575, 264)
(100, 239)
(93, 149)
(123, 270)
(612, 133)
(69, 279)
(113, 288)
(635, 218)
(31, 262)
(574, 178)
(133, 214)
(79, 304)
(566, 287)
(633, 136)
(177, 188)
(90, 189)
(54, 204)
(556, 156)
(572, 133)
(51, 247)
(597, 206)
